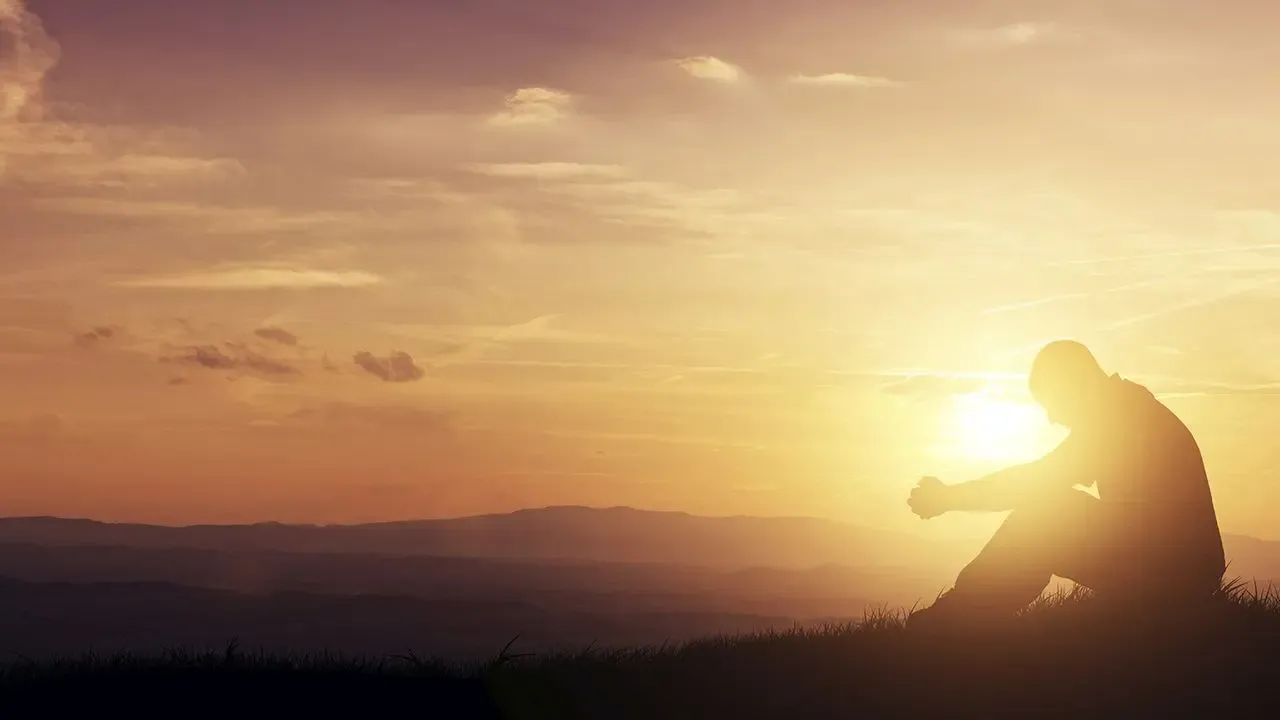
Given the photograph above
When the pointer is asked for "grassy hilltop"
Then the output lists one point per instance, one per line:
(1067, 656)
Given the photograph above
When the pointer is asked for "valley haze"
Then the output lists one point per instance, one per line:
(557, 578)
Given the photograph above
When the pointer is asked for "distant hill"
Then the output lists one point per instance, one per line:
(579, 534)
(560, 533)
(562, 577)
(614, 588)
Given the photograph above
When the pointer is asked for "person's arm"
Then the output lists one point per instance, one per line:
(1005, 489)
(997, 492)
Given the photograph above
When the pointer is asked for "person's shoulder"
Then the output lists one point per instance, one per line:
(1130, 399)
(1139, 400)
(1130, 388)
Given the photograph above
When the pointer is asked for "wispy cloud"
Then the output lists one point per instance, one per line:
(208, 218)
(1023, 33)
(846, 80)
(468, 343)
(533, 106)
(232, 357)
(559, 201)
(706, 67)
(1193, 303)
(660, 205)
(1018, 34)
(256, 278)
(1037, 302)
(93, 337)
(134, 170)
(53, 153)
(277, 335)
(934, 385)
(550, 170)
(413, 418)
(1193, 388)
(1167, 254)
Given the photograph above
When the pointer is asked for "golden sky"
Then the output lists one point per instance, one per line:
(333, 261)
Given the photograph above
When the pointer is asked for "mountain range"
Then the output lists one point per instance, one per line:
(559, 575)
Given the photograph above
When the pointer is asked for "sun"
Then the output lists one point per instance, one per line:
(984, 427)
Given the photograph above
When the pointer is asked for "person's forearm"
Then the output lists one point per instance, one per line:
(996, 492)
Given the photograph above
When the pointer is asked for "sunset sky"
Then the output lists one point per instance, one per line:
(349, 260)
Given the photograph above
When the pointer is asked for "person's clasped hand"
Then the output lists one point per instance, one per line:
(929, 498)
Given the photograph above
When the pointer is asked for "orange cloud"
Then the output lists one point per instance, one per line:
(1018, 34)
(29, 54)
(134, 169)
(550, 170)
(278, 335)
(91, 338)
(844, 80)
(533, 106)
(262, 277)
(398, 367)
(706, 67)
(233, 358)
(42, 149)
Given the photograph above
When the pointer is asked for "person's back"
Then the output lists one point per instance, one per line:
(1150, 472)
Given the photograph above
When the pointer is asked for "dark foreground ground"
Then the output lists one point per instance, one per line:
(1068, 657)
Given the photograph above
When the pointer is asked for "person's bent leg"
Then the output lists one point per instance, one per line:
(1032, 544)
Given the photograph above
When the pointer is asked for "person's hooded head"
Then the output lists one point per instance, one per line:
(1066, 380)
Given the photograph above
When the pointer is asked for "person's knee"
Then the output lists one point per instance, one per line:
(1056, 521)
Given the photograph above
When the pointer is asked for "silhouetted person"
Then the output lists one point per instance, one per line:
(1151, 530)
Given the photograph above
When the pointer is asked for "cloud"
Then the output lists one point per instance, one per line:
(278, 335)
(554, 203)
(27, 54)
(457, 336)
(259, 277)
(706, 67)
(377, 416)
(930, 385)
(134, 170)
(235, 357)
(532, 106)
(399, 367)
(588, 203)
(550, 170)
(468, 343)
(1023, 33)
(1019, 34)
(1207, 388)
(39, 148)
(91, 338)
(844, 80)
(656, 209)
(207, 218)
(210, 357)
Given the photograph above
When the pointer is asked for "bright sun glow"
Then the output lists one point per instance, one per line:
(985, 427)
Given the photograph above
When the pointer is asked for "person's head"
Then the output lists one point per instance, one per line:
(1065, 378)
